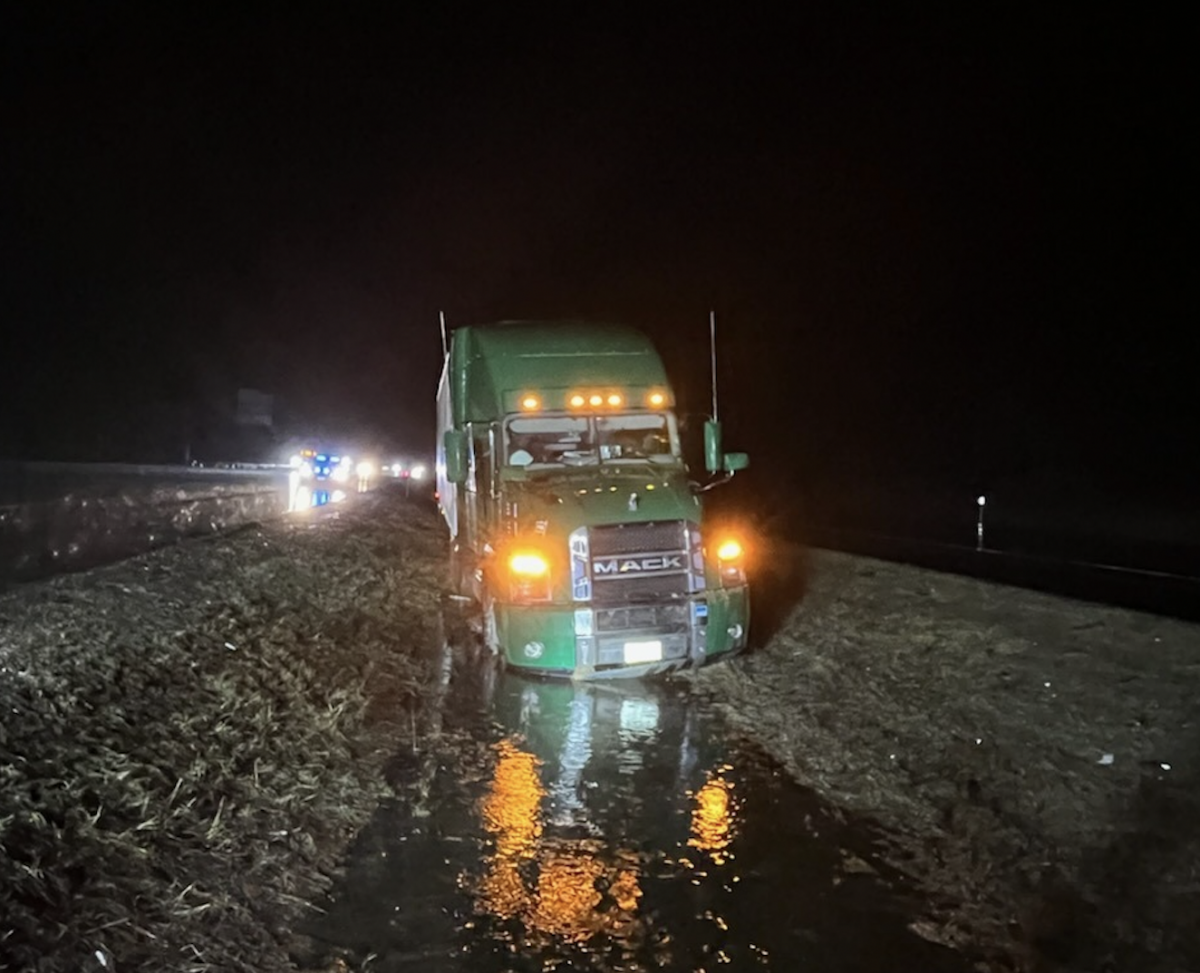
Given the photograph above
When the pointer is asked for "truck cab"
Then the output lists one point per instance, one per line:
(574, 520)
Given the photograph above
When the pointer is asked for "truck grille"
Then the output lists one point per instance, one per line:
(622, 564)
(615, 539)
(659, 619)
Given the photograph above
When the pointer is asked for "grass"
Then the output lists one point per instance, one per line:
(191, 737)
(972, 720)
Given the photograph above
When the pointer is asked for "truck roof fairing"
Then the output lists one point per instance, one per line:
(494, 364)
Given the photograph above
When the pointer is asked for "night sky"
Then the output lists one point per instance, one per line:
(951, 248)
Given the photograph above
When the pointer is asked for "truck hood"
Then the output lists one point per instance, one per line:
(593, 497)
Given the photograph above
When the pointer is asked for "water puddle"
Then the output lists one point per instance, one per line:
(608, 828)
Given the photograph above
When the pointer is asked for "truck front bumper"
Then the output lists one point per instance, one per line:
(621, 641)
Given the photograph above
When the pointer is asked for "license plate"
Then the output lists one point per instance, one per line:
(643, 651)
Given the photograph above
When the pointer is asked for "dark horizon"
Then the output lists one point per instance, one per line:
(942, 246)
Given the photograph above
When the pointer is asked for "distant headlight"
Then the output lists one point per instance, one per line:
(365, 470)
(418, 472)
(341, 474)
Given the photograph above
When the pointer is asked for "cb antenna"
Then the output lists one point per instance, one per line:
(712, 343)
(445, 348)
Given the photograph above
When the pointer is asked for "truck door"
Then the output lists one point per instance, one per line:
(480, 486)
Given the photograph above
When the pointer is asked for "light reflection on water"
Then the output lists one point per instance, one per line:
(551, 876)
(549, 885)
(612, 829)
(713, 816)
(512, 815)
(561, 870)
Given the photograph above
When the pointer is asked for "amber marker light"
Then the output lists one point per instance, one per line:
(576, 401)
(530, 402)
(614, 399)
(656, 399)
(596, 400)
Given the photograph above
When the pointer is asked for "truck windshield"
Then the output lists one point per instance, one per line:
(548, 441)
(638, 436)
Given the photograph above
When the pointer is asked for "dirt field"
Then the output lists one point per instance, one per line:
(1033, 759)
(190, 738)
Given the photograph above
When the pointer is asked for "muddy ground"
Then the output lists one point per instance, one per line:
(1034, 760)
(191, 738)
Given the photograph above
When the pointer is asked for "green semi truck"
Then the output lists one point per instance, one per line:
(573, 518)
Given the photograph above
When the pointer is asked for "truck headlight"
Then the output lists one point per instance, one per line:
(528, 564)
(730, 550)
(529, 573)
(731, 561)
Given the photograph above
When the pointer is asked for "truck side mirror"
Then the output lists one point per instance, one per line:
(712, 446)
(455, 443)
(715, 460)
